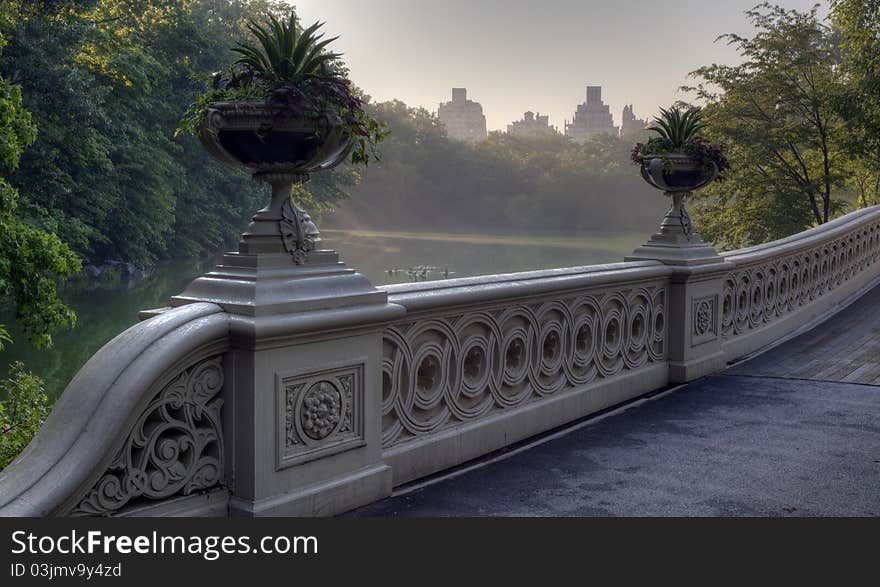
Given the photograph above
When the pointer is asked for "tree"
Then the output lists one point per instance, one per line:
(857, 26)
(776, 114)
(107, 83)
(534, 183)
(30, 259)
(865, 180)
(22, 412)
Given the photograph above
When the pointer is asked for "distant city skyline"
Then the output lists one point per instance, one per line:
(518, 56)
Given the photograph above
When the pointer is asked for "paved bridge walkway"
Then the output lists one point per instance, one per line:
(794, 431)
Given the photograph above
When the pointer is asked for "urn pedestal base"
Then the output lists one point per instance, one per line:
(671, 252)
(676, 243)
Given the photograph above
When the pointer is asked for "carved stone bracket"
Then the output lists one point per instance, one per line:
(677, 219)
(300, 234)
(282, 226)
(687, 226)
(174, 448)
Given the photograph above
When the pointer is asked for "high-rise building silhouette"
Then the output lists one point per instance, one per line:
(591, 118)
(531, 124)
(463, 118)
(629, 124)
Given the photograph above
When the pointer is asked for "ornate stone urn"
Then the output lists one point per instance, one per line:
(677, 172)
(281, 150)
(678, 175)
(280, 266)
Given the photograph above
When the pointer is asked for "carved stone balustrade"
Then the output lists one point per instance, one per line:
(281, 386)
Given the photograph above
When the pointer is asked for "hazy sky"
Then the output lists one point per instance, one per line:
(518, 55)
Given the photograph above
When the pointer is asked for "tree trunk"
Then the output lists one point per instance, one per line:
(815, 205)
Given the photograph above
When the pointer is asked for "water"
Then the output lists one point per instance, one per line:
(105, 310)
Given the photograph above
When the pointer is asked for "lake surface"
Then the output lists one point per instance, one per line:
(106, 309)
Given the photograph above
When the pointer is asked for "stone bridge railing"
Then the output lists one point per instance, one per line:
(140, 422)
(480, 363)
(777, 287)
(273, 388)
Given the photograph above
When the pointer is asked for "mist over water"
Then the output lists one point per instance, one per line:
(104, 310)
(387, 257)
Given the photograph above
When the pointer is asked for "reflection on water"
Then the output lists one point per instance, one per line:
(105, 310)
(395, 257)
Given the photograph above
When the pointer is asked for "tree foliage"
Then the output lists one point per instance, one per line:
(24, 408)
(865, 181)
(31, 260)
(107, 82)
(537, 183)
(857, 27)
(776, 112)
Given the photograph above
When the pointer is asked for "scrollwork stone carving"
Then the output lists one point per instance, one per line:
(174, 448)
(443, 370)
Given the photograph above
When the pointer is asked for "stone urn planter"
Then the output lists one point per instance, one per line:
(678, 175)
(265, 138)
(678, 162)
(302, 115)
(677, 172)
(279, 149)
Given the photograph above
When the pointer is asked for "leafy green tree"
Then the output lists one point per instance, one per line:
(864, 179)
(30, 259)
(22, 412)
(776, 114)
(62, 178)
(107, 82)
(534, 183)
(857, 26)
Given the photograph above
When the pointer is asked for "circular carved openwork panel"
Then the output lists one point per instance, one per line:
(584, 343)
(638, 329)
(475, 365)
(428, 374)
(551, 349)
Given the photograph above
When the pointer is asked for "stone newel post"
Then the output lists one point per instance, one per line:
(697, 271)
(302, 402)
